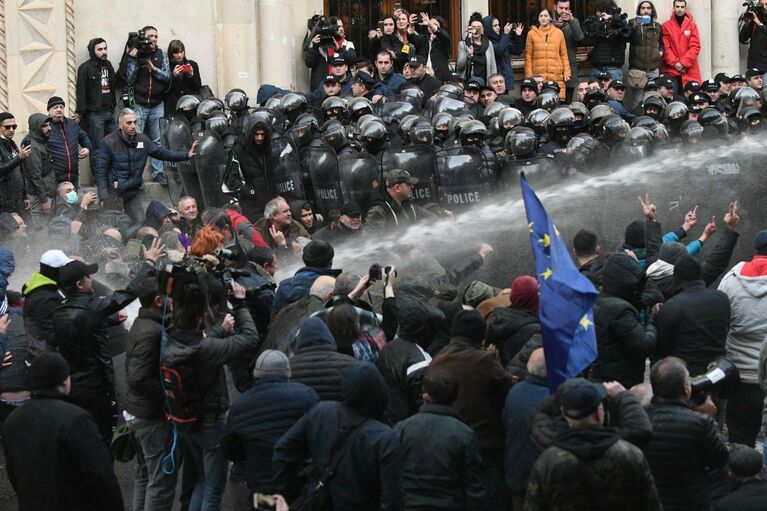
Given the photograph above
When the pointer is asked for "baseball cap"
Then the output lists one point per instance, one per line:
(582, 398)
(737, 78)
(364, 78)
(350, 209)
(417, 60)
(475, 83)
(699, 97)
(337, 60)
(455, 77)
(397, 176)
(54, 258)
(616, 84)
(529, 83)
(603, 75)
(330, 79)
(651, 85)
(709, 85)
(722, 78)
(664, 81)
(753, 72)
(551, 85)
(74, 271)
(692, 86)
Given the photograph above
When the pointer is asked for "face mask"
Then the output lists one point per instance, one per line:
(72, 197)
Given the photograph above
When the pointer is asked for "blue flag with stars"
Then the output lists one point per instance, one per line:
(566, 297)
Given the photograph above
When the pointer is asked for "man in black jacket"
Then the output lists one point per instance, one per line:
(610, 33)
(148, 76)
(684, 442)
(750, 493)
(96, 95)
(54, 457)
(144, 399)
(442, 461)
(754, 33)
(63, 142)
(13, 197)
(80, 325)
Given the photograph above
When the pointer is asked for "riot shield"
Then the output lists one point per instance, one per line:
(323, 170)
(395, 110)
(452, 104)
(285, 172)
(175, 187)
(625, 154)
(211, 163)
(180, 139)
(540, 171)
(420, 161)
(463, 178)
(359, 178)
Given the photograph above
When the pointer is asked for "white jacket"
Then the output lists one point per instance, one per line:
(748, 320)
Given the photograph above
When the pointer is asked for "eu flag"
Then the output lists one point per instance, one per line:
(566, 297)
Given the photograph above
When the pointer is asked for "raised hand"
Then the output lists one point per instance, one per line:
(648, 208)
(731, 218)
(690, 219)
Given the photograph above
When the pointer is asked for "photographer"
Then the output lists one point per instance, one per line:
(186, 75)
(645, 52)
(754, 33)
(327, 38)
(146, 71)
(610, 32)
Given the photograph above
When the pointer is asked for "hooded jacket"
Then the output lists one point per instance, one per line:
(681, 44)
(646, 43)
(746, 286)
(12, 186)
(122, 160)
(368, 474)
(249, 171)
(38, 166)
(63, 141)
(546, 55)
(317, 363)
(504, 46)
(510, 329)
(592, 468)
(95, 84)
(623, 342)
(41, 295)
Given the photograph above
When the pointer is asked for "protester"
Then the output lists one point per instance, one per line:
(546, 53)
(12, 186)
(185, 75)
(63, 142)
(476, 54)
(562, 18)
(681, 46)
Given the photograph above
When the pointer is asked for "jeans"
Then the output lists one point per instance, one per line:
(148, 123)
(744, 413)
(134, 208)
(204, 442)
(153, 489)
(616, 73)
(99, 125)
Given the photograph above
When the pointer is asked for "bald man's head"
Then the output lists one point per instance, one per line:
(323, 287)
(536, 365)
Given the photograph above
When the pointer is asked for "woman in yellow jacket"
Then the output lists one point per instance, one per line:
(546, 53)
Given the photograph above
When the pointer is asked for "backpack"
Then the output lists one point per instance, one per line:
(183, 398)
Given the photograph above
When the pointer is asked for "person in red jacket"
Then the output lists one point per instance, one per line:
(681, 42)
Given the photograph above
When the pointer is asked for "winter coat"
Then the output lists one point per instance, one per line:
(610, 40)
(464, 59)
(41, 296)
(385, 214)
(510, 329)
(181, 85)
(258, 419)
(746, 286)
(591, 469)
(144, 396)
(748, 496)
(438, 50)
(316, 58)
(207, 356)
(684, 444)
(14, 377)
(121, 163)
(284, 326)
(38, 166)
(546, 55)
(646, 45)
(693, 326)
(317, 363)
(55, 458)
(298, 286)
(442, 462)
(573, 35)
(368, 475)
(246, 229)
(402, 363)
(63, 140)
(12, 186)
(756, 38)
(90, 95)
(482, 388)
(681, 44)
(521, 402)
(149, 87)
(504, 46)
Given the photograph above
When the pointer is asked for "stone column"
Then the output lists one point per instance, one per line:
(302, 11)
(237, 42)
(470, 6)
(276, 42)
(725, 56)
(701, 11)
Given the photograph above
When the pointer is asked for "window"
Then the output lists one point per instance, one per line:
(526, 11)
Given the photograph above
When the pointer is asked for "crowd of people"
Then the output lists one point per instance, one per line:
(411, 385)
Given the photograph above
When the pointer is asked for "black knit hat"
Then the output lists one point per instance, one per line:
(635, 234)
(47, 370)
(318, 254)
(672, 251)
(687, 269)
(744, 461)
(760, 243)
(55, 100)
(4, 116)
(469, 324)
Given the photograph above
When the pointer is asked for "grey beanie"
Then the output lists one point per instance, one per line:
(272, 363)
(672, 251)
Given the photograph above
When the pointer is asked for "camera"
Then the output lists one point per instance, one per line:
(754, 8)
(142, 44)
(319, 24)
(376, 273)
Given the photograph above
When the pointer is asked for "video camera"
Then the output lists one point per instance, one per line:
(616, 25)
(142, 44)
(754, 8)
(720, 380)
(375, 272)
(319, 24)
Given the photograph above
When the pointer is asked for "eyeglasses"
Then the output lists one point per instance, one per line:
(11, 126)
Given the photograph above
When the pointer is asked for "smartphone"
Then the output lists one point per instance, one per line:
(397, 6)
(643, 20)
(25, 143)
(186, 68)
(380, 25)
(263, 502)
